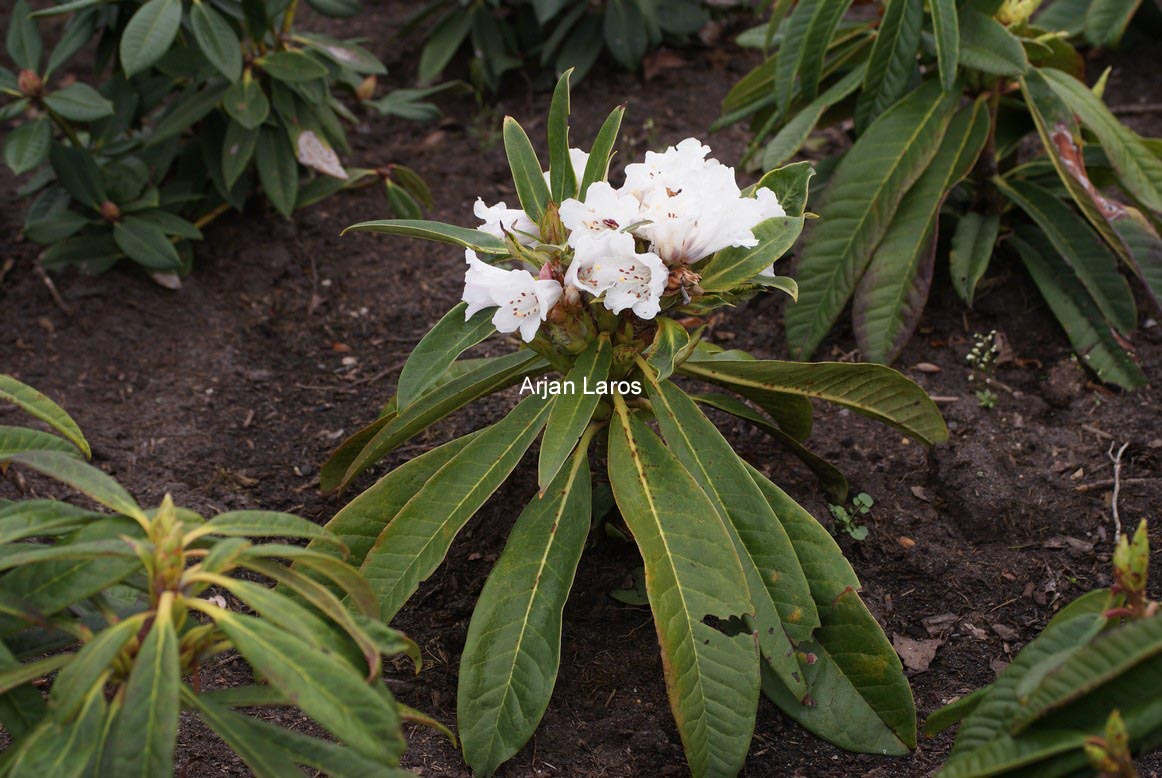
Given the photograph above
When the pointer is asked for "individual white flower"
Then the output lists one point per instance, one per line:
(603, 209)
(609, 264)
(522, 301)
(667, 169)
(499, 219)
(698, 220)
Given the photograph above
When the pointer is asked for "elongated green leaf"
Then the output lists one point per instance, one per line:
(597, 167)
(1138, 169)
(14, 440)
(18, 675)
(1106, 20)
(79, 102)
(344, 53)
(1081, 249)
(322, 565)
(1006, 753)
(526, 170)
(573, 408)
(417, 536)
(692, 572)
(21, 709)
(26, 147)
(277, 170)
(88, 669)
(149, 34)
(41, 518)
(861, 698)
(670, 341)
(145, 243)
(972, 249)
(325, 687)
(733, 266)
(262, 524)
(946, 27)
(148, 724)
(292, 67)
(478, 241)
(986, 45)
(442, 44)
(41, 407)
(562, 177)
(809, 30)
(452, 336)
(954, 712)
(894, 289)
(216, 39)
(78, 173)
(444, 399)
(791, 136)
(246, 103)
(237, 151)
(892, 60)
(875, 391)
(235, 730)
(62, 749)
(510, 660)
(861, 198)
(23, 38)
(84, 478)
(832, 480)
(38, 553)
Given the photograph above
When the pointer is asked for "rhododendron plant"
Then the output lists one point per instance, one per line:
(608, 286)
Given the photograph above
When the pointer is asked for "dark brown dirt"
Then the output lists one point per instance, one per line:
(230, 393)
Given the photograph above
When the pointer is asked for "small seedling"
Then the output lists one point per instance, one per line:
(845, 518)
(983, 361)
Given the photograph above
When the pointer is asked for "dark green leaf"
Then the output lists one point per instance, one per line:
(1106, 20)
(892, 60)
(562, 177)
(670, 340)
(734, 266)
(79, 30)
(84, 478)
(986, 45)
(794, 133)
(77, 172)
(277, 170)
(149, 33)
(26, 147)
(452, 336)
(946, 29)
(972, 248)
(442, 44)
(526, 170)
(79, 102)
(597, 167)
(246, 103)
(573, 409)
(293, 67)
(23, 38)
(625, 33)
(145, 243)
(478, 241)
(216, 39)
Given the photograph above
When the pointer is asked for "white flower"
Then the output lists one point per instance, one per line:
(609, 264)
(669, 168)
(522, 301)
(603, 209)
(499, 219)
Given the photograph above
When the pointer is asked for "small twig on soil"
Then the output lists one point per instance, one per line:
(1137, 108)
(1096, 431)
(1117, 460)
(56, 296)
(1110, 482)
(940, 398)
(6, 268)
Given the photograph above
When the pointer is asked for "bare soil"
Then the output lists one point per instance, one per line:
(231, 392)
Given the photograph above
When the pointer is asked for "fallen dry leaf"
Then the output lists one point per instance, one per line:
(927, 367)
(916, 655)
(937, 625)
(906, 542)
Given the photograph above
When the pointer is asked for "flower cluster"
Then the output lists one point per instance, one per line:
(628, 247)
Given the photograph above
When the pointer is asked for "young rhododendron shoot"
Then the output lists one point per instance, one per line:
(603, 289)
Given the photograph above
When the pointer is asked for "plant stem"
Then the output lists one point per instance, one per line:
(65, 127)
(212, 215)
(288, 18)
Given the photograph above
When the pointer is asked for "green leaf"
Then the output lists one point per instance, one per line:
(874, 391)
(442, 44)
(791, 185)
(146, 244)
(892, 60)
(573, 409)
(784, 612)
(833, 481)
(246, 103)
(597, 168)
(78, 31)
(417, 535)
(148, 724)
(452, 336)
(946, 29)
(1078, 314)
(346, 54)
(1006, 753)
(954, 712)
(292, 67)
(216, 39)
(1081, 249)
(986, 45)
(261, 524)
(149, 33)
(41, 407)
(1138, 169)
(808, 32)
(237, 151)
(26, 147)
(731, 267)
(78, 173)
(324, 686)
(625, 33)
(62, 750)
(79, 102)
(439, 402)
(1106, 20)
(277, 170)
(526, 170)
(972, 248)
(562, 177)
(20, 674)
(670, 341)
(478, 241)
(692, 572)
(513, 650)
(41, 518)
(1116, 653)
(794, 133)
(861, 198)
(169, 223)
(23, 38)
(237, 732)
(894, 289)
(191, 107)
(84, 478)
(88, 670)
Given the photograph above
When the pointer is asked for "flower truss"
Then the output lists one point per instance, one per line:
(610, 289)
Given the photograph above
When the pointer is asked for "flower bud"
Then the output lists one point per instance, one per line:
(110, 212)
(1014, 12)
(29, 83)
(366, 88)
(552, 230)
